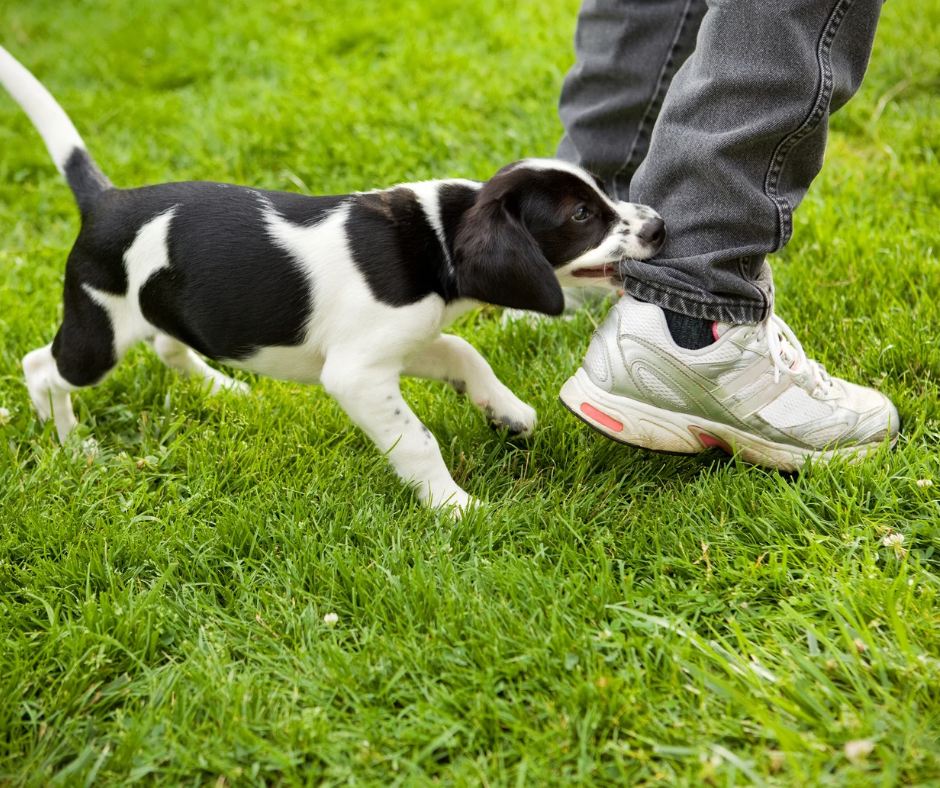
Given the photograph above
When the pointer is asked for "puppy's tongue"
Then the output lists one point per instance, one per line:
(597, 272)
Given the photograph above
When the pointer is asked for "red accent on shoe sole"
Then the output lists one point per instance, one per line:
(708, 441)
(601, 418)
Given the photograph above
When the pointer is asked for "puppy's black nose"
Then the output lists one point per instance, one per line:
(653, 232)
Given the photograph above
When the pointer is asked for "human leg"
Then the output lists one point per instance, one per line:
(704, 362)
(627, 54)
(741, 135)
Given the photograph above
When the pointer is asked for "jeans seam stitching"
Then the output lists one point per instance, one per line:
(658, 90)
(823, 95)
(765, 305)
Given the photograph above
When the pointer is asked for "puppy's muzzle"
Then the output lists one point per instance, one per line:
(653, 234)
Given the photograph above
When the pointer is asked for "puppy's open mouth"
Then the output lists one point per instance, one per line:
(606, 271)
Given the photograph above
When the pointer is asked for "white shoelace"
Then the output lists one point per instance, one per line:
(787, 353)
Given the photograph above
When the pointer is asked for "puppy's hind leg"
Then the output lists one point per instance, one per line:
(49, 391)
(178, 356)
(82, 354)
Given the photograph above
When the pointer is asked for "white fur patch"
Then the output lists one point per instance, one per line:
(428, 194)
(146, 255)
(345, 314)
(572, 169)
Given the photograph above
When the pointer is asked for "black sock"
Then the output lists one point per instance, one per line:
(687, 332)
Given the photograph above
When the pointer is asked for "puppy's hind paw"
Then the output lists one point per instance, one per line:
(238, 387)
(225, 383)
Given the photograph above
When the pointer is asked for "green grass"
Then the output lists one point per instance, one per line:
(611, 617)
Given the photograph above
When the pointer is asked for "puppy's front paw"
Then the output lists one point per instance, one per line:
(457, 511)
(451, 498)
(507, 411)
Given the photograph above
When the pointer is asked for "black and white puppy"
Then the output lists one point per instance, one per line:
(349, 291)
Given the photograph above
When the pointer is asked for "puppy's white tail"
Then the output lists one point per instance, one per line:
(65, 145)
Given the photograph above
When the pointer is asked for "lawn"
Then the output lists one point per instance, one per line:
(610, 617)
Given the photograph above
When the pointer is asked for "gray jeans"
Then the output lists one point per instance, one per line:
(715, 113)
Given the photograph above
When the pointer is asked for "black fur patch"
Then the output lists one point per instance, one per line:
(229, 289)
(97, 258)
(547, 201)
(395, 247)
(454, 200)
(84, 344)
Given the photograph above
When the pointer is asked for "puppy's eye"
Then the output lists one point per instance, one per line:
(581, 214)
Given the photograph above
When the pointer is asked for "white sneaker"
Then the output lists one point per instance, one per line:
(753, 391)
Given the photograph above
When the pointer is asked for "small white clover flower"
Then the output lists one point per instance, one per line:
(857, 750)
(331, 618)
(90, 448)
(919, 482)
(5, 417)
(896, 542)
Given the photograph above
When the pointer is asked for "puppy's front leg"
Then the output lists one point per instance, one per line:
(371, 397)
(453, 359)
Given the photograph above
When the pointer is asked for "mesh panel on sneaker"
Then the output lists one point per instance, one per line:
(643, 321)
(794, 407)
(859, 398)
(718, 353)
(656, 388)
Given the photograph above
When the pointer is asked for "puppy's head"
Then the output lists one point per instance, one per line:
(539, 224)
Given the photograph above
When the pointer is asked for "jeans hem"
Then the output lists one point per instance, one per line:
(704, 305)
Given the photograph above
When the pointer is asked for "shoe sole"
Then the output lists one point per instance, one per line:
(645, 426)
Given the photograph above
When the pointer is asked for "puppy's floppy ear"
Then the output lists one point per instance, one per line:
(497, 260)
